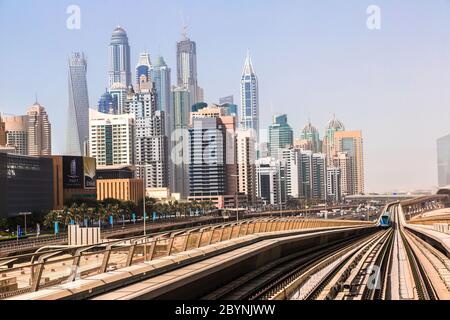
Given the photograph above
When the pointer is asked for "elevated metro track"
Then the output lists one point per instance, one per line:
(276, 259)
(29, 245)
(101, 268)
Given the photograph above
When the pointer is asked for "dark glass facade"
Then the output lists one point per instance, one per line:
(26, 184)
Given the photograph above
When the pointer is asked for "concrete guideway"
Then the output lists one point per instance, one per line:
(86, 262)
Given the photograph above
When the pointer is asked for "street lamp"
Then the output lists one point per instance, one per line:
(144, 216)
(236, 196)
(25, 214)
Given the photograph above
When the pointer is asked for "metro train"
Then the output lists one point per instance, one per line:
(385, 221)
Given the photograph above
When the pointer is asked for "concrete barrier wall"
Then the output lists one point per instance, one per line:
(213, 278)
(78, 236)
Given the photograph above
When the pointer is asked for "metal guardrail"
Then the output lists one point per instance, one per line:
(12, 246)
(62, 265)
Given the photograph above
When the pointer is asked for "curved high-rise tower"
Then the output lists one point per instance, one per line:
(119, 58)
(78, 115)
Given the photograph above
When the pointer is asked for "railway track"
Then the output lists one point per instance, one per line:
(392, 263)
(263, 283)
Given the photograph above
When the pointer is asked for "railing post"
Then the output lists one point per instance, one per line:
(239, 230)
(152, 249)
(75, 265)
(37, 276)
(211, 236)
(222, 233)
(186, 241)
(131, 253)
(231, 234)
(169, 250)
(199, 240)
(106, 259)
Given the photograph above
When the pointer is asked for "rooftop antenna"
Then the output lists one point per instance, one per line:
(184, 27)
(35, 98)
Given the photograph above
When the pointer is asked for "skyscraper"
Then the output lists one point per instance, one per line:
(111, 138)
(334, 190)
(344, 162)
(328, 140)
(228, 123)
(319, 177)
(39, 131)
(150, 138)
(107, 104)
(310, 135)
(2, 132)
(160, 75)
(228, 99)
(271, 181)
(292, 157)
(280, 135)
(246, 157)
(78, 114)
(16, 128)
(351, 143)
(249, 115)
(207, 153)
(443, 160)
(179, 156)
(187, 67)
(119, 58)
(306, 174)
(118, 92)
(143, 70)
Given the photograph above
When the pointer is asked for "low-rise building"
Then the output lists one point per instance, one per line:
(25, 184)
(74, 179)
(121, 189)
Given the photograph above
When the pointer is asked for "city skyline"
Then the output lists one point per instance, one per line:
(389, 147)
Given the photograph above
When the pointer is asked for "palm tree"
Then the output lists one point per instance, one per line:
(113, 210)
(194, 206)
(101, 213)
(184, 208)
(172, 207)
(83, 212)
(52, 217)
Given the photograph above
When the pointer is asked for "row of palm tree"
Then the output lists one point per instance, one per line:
(101, 211)
(176, 208)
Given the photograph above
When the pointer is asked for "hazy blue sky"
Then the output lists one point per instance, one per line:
(313, 58)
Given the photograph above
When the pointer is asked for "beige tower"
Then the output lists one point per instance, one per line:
(2, 132)
(39, 131)
(16, 128)
(246, 157)
(351, 143)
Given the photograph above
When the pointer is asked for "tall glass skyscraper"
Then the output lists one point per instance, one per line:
(178, 136)
(281, 135)
(443, 158)
(160, 75)
(249, 115)
(187, 67)
(78, 115)
(119, 58)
